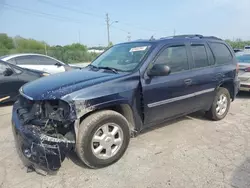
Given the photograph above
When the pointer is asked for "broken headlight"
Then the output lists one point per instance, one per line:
(56, 110)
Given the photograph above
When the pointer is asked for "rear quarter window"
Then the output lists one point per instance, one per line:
(221, 53)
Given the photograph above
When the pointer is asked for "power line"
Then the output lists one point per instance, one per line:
(38, 13)
(70, 9)
(95, 15)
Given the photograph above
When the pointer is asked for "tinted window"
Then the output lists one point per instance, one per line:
(3, 67)
(175, 57)
(221, 53)
(12, 61)
(199, 55)
(45, 60)
(210, 56)
(26, 60)
(18, 71)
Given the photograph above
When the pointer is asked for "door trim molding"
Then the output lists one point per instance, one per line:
(151, 105)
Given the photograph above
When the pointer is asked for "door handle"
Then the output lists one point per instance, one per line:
(188, 81)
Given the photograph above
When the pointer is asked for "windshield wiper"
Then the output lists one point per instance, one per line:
(114, 70)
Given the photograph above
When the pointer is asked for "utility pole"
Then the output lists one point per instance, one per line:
(174, 32)
(108, 26)
(45, 48)
(107, 21)
(129, 36)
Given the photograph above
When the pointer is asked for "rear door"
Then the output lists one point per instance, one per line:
(169, 96)
(50, 65)
(204, 74)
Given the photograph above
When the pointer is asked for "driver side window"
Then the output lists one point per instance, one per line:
(175, 57)
(3, 67)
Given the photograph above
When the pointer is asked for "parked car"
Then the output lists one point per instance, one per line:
(12, 78)
(128, 88)
(236, 50)
(244, 71)
(37, 62)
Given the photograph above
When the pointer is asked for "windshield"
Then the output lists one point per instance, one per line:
(243, 58)
(123, 57)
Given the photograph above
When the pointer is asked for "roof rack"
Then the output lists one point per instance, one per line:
(188, 36)
(193, 36)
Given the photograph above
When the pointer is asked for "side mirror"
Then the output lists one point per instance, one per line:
(159, 70)
(58, 64)
(8, 72)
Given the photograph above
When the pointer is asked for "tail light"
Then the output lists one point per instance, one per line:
(237, 68)
(247, 69)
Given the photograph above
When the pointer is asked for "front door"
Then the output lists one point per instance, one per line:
(9, 84)
(169, 96)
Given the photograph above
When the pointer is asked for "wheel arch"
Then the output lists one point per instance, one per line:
(122, 108)
(229, 85)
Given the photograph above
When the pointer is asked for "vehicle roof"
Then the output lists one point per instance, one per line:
(177, 38)
(7, 57)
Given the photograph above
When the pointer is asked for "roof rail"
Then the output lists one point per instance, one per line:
(212, 37)
(192, 36)
(188, 36)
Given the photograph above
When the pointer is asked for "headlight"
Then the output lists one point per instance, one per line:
(45, 74)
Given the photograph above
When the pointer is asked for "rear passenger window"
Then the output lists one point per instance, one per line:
(200, 56)
(175, 57)
(26, 60)
(221, 53)
(210, 56)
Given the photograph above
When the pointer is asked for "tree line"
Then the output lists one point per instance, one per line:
(238, 43)
(73, 53)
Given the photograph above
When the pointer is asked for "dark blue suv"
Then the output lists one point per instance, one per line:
(131, 86)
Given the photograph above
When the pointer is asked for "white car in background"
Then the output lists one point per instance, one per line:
(244, 70)
(37, 62)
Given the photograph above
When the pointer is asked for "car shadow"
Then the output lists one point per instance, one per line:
(240, 177)
(75, 159)
(196, 115)
(243, 95)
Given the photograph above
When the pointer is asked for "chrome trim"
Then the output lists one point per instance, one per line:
(24, 95)
(180, 98)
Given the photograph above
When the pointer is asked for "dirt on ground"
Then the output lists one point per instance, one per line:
(185, 153)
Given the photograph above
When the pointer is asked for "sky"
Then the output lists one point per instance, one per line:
(62, 22)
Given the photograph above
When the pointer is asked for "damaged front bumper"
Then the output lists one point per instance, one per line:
(36, 149)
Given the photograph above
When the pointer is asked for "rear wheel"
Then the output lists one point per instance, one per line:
(103, 138)
(220, 106)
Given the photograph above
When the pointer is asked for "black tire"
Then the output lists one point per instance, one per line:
(212, 114)
(87, 129)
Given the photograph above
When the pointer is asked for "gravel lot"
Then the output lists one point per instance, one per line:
(189, 152)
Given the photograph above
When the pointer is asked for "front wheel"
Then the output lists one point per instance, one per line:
(103, 138)
(220, 106)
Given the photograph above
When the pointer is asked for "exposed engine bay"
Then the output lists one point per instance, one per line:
(52, 117)
(47, 132)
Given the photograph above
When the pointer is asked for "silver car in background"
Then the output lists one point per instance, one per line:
(244, 70)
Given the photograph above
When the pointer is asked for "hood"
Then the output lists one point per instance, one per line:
(61, 84)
